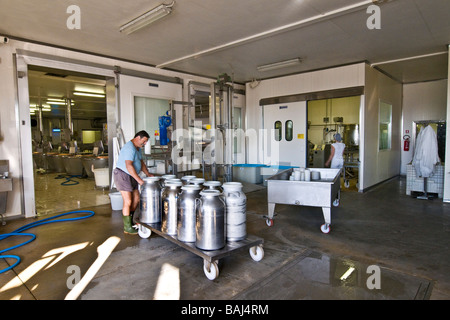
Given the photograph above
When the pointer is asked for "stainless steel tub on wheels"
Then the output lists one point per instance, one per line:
(323, 193)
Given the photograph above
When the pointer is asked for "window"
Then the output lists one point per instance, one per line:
(385, 134)
(289, 130)
(278, 131)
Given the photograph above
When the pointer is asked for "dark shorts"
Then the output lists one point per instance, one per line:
(124, 182)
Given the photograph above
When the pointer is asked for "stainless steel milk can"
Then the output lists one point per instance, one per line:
(211, 217)
(187, 213)
(150, 204)
(169, 196)
(236, 203)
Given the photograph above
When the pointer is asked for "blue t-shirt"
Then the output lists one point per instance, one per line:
(130, 153)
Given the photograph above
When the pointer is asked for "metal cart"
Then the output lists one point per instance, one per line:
(210, 258)
(324, 193)
(348, 166)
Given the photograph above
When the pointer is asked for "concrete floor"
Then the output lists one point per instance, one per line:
(406, 238)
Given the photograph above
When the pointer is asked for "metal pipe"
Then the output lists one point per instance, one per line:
(69, 116)
(212, 118)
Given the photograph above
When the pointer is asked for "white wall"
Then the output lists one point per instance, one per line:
(10, 125)
(380, 165)
(422, 101)
(447, 145)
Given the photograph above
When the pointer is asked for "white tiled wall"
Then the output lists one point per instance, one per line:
(435, 183)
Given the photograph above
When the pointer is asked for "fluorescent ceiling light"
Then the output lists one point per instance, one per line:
(279, 65)
(89, 94)
(347, 274)
(149, 17)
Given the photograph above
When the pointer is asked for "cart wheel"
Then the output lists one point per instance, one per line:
(336, 203)
(347, 184)
(211, 270)
(269, 222)
(257, 253)
(325, 228)
(144, 232)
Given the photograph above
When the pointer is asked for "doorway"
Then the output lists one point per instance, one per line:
(326, 118)
(69, 135)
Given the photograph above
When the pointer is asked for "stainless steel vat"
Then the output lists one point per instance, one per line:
(211, 219)
(55, 162)
(187, 213)
(236, 203)
(73, 165)
(169, 197)
(97, 162)
(150, 204)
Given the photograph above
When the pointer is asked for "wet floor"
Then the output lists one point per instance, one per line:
(380, 247)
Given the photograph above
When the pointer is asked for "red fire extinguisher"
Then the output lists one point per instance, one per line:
(406, 142)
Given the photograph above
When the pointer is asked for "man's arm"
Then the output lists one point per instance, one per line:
(145, 169)
(133, 172)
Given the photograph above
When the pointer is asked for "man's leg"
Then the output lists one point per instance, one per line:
(136, 197)
(126, 211)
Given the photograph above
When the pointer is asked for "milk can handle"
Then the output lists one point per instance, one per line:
(234, 192)
(195, 203)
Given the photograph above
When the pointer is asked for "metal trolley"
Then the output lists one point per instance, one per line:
(323, 193)
(210, 258)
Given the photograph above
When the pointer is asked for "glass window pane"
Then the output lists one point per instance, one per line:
(385, 134)
(278, 131)
(289, 130)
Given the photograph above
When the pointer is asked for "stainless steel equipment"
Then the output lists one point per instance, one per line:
(55, 162)
(97, 162)
(169, 198)
(187, 213)
(236, 203)
(321, 155)
(351, 135)
(211, 218)
(150, 204)
(73, 165)
(320, 193)
(5, 187)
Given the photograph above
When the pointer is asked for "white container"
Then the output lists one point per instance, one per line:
(101, 177)
(236, 211)
(307, 175)
(116, 201)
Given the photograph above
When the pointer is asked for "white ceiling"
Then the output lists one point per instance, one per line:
(211, 37)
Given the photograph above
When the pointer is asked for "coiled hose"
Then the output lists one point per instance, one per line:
(19, 231)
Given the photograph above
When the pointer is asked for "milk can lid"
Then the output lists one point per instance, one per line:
(151, 179)
(192, 187)
(212, 183)
(174, 182)
(210, 193)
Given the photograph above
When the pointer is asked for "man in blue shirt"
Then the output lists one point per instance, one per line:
(127, 180)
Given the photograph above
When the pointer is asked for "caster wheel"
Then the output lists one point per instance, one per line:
(144, 232)
(336, 203)
(269, 222)
(325, 228)
(257, 253)
(211, 270)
